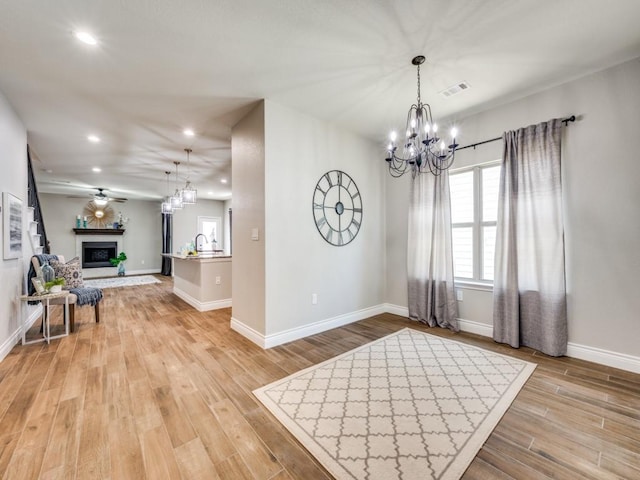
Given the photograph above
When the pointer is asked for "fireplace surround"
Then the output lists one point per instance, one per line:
(99, 235)
(97, 254)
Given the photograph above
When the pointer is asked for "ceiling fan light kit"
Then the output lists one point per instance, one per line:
(421, 149)
(100, 199)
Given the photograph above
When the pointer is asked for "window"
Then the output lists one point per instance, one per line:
(474, 211)
(209, 227)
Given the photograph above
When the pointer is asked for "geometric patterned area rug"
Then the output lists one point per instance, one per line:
(113, 282)
(410, 405)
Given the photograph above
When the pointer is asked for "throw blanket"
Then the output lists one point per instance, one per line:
(86, 295)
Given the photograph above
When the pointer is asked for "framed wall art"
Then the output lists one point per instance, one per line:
(11, 226)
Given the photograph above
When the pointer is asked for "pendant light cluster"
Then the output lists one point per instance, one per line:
(186, 196)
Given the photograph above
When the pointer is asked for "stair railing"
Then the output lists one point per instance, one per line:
(34, 201)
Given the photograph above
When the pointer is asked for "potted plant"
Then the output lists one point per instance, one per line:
(55, 285)
(119, 262)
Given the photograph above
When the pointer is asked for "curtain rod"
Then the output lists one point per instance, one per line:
(566, 121)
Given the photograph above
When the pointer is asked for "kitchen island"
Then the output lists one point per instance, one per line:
(203, 281)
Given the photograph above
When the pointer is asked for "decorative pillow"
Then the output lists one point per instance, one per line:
(70, 271)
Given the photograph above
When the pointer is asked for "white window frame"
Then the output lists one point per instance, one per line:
(476, 282)
(207, 245)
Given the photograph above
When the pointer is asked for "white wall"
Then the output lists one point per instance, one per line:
(601, 178)
(278, 156)
(299, 262)
(142, 240)
(185, 221)
(13, 162)
(227, 226)
(248, 266)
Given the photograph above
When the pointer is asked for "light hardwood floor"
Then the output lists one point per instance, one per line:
(161, 391)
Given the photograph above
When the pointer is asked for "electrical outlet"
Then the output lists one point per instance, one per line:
(314, 299)
(459, 295)
(217, 280)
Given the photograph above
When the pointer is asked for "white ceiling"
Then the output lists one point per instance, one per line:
(163, 65)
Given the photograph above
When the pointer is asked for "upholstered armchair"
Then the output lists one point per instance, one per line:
(72, 273)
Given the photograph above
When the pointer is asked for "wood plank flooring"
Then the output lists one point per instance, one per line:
(158, 390)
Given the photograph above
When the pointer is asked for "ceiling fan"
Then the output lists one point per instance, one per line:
(101, 199)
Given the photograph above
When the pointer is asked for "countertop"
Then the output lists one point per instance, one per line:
(200, 256)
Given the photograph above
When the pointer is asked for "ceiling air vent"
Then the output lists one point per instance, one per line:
(455, 89)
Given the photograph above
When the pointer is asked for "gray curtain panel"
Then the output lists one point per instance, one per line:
(529, 295)
(430, 253)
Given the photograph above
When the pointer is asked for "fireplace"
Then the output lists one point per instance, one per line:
(97, 254)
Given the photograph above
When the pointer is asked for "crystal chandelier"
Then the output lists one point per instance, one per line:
(176, 199)
(422, 149)
(166, 204)
(189, 193)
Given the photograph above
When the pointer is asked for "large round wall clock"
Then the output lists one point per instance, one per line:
(337, 208)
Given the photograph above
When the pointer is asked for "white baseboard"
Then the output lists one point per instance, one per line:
(148, 271)
(89, 273)
(202, 306)
(396, 309)
(16, 337)
(470, 326)
(623, 361)
(275, 339)
(478, 328)
(248, 332)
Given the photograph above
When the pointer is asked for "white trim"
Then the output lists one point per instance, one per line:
(623, 361)
(109, 272)
(9, 343)
(202, 306)
(16, 337)
(148, 271)
(465, 325)
(488, 163)
(303, 331)
(396, 309)
(600, 356)
(478, 328)
(248, 332)
(473, 285)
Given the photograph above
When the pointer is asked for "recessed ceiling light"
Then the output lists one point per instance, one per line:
(210, 193)
(93, 138)
(96, 169)
(188, 132)
(86, 37)
(223, 180)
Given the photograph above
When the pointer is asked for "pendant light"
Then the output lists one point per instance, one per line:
(176, 199)
(189, 193)
(166, 204)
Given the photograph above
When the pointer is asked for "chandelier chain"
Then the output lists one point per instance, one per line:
(419, 100)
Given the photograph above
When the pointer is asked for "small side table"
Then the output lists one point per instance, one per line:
(46, 315)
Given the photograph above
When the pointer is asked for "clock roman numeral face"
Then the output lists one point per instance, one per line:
(337, 208)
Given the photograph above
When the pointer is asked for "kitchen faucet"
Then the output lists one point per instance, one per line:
(195, 241)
